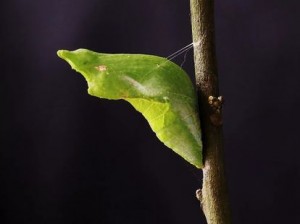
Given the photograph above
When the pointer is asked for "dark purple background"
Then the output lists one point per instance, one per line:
(67, 157)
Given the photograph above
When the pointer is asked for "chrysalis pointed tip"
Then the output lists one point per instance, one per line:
(62, 53)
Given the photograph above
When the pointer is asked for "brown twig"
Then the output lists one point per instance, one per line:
(213, 195)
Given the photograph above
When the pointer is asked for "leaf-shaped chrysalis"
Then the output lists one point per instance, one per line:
(155, 86)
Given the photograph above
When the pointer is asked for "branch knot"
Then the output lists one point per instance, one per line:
(216, 104)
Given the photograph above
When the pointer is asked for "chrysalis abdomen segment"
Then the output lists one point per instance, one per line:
(176, 129)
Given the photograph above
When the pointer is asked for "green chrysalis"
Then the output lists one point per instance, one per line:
(155, 86)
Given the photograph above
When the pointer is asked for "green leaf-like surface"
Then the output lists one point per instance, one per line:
(155, 86)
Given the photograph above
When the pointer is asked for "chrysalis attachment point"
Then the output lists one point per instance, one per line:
(180, 51)
(196, 43)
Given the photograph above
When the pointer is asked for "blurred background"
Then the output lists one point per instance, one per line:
(67, 157)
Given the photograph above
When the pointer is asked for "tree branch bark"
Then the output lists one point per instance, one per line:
(213, 195)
